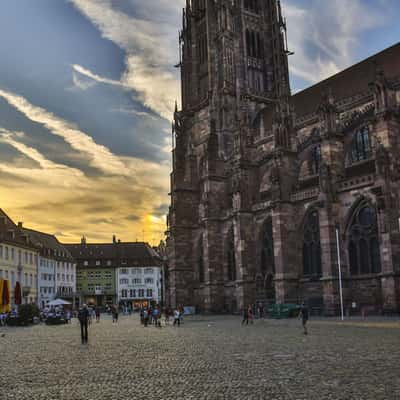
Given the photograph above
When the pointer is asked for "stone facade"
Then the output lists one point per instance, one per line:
(263, 180)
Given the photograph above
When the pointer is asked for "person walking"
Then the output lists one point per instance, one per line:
(83, 317)
(115, 314)
(303, 314)
(250, 314)
(97, 312)
(245, 316)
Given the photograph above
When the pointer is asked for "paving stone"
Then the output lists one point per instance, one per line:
(206, 358)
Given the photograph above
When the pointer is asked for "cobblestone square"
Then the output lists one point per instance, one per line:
(206, 358)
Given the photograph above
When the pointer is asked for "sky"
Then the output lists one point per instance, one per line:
(87, 91)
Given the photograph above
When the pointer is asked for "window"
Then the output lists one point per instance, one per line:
(124, 281)
(98, 262)
(141, 292)
(26, 279)
(132, 293)
(13, 278)
(6, 253)
(254, 44)
(1, 251)
(1, 273)
(6, 275)
(251, 5)
(108, 262)
(315, 159)
(267, 249)
(124, 293)
(136, 281)
(200, 261)
(148, 271)
(312, 265)
(26, 257)
(149, 292)
(231, 256)
(363, 245)
(360, 145)
(86, 263)
(149, 280)
(12, 253)
(124, 271)
(30, 258)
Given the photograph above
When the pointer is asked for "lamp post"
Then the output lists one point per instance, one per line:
(340, 273)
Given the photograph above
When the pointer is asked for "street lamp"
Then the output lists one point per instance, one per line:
(340, 272)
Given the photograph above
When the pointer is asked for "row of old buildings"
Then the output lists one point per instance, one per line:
(129, 274)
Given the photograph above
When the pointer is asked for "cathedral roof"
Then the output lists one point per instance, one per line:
(349, 82)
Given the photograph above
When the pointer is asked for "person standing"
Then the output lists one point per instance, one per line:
(304, 316)
(250, 314)
(177, 317)
(83, 317)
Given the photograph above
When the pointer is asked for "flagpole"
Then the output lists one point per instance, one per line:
(340, 273)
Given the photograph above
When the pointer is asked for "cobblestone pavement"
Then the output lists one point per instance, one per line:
(206, 358)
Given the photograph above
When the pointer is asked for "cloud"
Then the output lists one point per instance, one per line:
(99, 156)
(325, 34)
(97, 78)
(150, 45)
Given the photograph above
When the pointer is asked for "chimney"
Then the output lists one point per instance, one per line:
(114, 239)
(83, 240)
(20, 225)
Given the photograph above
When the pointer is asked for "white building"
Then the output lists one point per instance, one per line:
(139, 286)
(56, 268)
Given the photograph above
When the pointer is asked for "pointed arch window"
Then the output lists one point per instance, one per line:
(363, 243)
(361, 145)
(267, 249)
(200, 261)
(312, 264)
(315, 160)
(231, 256)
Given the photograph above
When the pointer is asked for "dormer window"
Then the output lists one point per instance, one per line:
(360, 146)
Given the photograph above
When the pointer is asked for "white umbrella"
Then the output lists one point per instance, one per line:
(58, 302)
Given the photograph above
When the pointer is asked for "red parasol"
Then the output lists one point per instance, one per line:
(17, 294)
(6, 293)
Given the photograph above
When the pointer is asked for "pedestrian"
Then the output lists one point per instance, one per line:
(68, 316)
(145, 317)
(303, 314)
(97, 313)
(245, 316)
(250, 314)
(83, 317)
(177, 317)
(115, 314)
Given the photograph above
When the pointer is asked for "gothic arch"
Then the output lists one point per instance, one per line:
(231, 255)
(362, 239)
(311, 244)
(200, 259)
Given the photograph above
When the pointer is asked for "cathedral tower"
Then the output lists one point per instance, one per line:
(234, 74)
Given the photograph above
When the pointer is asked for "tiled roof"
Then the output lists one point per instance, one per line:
(12, 233)
(46, 241)
(115, 252)
(350, 82)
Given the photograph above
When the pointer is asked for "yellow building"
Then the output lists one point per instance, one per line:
(18, 259)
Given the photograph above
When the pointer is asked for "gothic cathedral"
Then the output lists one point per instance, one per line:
(268, 188)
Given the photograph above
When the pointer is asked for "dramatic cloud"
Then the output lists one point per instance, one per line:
(325, 34)
(99, 156)
(150, 43)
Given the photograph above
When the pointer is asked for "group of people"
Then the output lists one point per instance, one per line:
(248, 315)
(153, 316)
